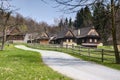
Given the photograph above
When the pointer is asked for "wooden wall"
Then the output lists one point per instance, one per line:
(44, 42)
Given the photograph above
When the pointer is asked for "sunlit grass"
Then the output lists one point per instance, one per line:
(16, 64)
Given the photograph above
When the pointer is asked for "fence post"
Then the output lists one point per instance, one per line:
(56, 47)
(66, 47)
(89, 52)
(79, 50)
(72, 48)
(102, 55)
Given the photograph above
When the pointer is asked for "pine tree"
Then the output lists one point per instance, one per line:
(66, 22)
(101, 21)
(79, 18)
(87, 17)
(61, 24)
(83, 18)
(70, 22)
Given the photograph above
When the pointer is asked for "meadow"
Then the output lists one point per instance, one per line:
(16, 64)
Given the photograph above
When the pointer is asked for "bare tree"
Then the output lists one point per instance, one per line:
(5, 13)
(75, 5)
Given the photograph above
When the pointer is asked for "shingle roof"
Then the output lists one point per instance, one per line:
(43, 35)
(62, 34)
(32, 35)
(83, 32)
(10, 31)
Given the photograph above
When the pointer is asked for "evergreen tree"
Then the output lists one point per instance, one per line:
(66, 22)
(79, 18)
(87, 17)
(70, 22)
(83, 18)
(61, 24)
(101, 21)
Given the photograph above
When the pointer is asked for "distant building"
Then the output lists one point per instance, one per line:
(31, 37)
(87, 36)
(14, 35)
(65, 37)
(44, 38)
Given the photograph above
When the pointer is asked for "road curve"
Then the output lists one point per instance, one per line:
(75, 68)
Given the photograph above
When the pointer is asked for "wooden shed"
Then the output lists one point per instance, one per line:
(43, 38)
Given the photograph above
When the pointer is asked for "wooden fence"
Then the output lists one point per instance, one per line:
(101, 55)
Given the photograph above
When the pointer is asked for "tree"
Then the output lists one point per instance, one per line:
(73, 5)
(70, 23)
(83, 18)
(101, 21)
(114, 31)
(79, 18)
(5, 14)
(66, 22)
(61, 24)
(87, 17)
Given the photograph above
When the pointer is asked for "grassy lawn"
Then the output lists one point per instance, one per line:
(16, 64)
(95, 56)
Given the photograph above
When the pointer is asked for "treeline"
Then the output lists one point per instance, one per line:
(98, 16)
(28, 24)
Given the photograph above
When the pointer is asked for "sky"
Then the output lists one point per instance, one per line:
(40, 11)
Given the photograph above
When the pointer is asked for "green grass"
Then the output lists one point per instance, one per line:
(106, 47)
(16, 64)
(95, 55)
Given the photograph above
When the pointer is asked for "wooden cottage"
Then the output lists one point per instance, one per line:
(87, 36)
(15, 35)
(65, 37)
(43, 38)
(31, 38)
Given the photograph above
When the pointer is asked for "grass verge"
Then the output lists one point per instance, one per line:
(16, 64)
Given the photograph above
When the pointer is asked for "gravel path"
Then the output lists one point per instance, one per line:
(75, 68)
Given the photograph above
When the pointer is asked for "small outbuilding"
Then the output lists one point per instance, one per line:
(43, 39)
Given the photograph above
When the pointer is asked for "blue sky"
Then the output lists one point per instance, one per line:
(39, 11)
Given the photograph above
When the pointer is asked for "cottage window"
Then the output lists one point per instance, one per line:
(67, 40)
(83, 40)
(71, 40)
(90, 40)
(95, 40)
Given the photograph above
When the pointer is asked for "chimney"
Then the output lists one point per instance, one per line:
(78, 32)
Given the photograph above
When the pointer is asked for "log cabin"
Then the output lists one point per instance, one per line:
(31, 37)
(87, 36)
(65, 37)
(43, 39)
(14, 35)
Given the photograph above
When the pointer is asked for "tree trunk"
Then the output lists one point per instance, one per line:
(4, 38)
(114, 33)
(4, 28)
